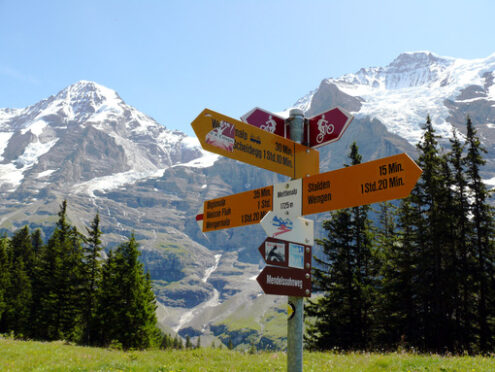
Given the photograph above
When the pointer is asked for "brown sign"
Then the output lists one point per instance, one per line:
(282, 253)
(244, 142)
(376, 181)
(285, 282)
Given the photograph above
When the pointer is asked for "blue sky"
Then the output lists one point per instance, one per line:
(171, 59)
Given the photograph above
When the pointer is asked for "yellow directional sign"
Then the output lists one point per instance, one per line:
(240, 141)
(376, 181)
(245, 208)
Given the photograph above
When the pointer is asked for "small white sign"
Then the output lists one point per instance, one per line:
(291, 229)
(287, 198)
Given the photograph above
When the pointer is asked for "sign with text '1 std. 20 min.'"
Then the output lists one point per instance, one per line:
(245, 208)
(376, 181)
(240, 141)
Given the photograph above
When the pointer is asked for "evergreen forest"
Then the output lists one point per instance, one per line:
(65, 290)
(416, 275)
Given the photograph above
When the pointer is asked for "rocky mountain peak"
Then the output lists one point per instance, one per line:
(89, 93)
(413, 60)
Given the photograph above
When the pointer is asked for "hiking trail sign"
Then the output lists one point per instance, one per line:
(285, 281)
(267, 121)
(376, 181)
(282, 253)
(327, 127)
(244, 142)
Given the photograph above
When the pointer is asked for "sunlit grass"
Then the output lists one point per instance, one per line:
(57, 356)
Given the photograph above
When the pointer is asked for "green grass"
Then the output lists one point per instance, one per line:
(56, 356)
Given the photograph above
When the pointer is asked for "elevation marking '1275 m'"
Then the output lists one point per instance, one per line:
(240, 141)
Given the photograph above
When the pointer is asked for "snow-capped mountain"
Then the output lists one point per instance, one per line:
(412, 86)
(85, 139)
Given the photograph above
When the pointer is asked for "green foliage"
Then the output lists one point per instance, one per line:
(343, 317)
(126, 301)
(423, 277)
(61, 291)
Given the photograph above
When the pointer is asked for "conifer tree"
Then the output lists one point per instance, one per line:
(22, 247)
(92, 280)
(461, 237)
(4, 281)
(126, 302)
(343, 318)
(482, 239)
(430, 195)
(18, 299)
(59, 276)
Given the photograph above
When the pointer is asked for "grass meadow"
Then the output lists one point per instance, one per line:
(57, 356)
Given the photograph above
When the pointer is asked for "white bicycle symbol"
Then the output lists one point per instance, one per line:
(324, 127)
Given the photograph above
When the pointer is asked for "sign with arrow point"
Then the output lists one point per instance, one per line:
(293, 229)
(285, 282)
(240, 141)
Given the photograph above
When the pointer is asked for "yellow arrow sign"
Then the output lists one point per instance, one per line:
(376, 181)
(245, 208)
(240, 141)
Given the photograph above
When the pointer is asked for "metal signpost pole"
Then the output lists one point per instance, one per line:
(295, 322)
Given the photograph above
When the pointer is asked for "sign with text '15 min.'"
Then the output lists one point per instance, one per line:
(376, 181)
(240, 141)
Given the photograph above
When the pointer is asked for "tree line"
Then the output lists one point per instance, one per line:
(65, 290)
(420, 275)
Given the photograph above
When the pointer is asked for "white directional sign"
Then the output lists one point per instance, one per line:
(287, 198)
(292, 229)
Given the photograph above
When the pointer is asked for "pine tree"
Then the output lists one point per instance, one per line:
(126, 302)
(22, 247)
(92, 280)
(431, 196)
(482, 240)
(343, 318)
(18, 299)
(60, 282)
(108, 303)
(461, 234)
(394, 289)
(188, 342)
(4, 281)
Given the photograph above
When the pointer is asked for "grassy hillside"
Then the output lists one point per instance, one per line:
(56, 356)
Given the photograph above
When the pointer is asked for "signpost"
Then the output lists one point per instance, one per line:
(376, 181)
(240, 141)
(262, 141)
(327, 127)
(267, 121)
